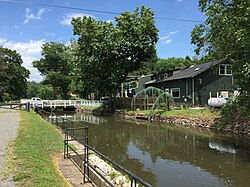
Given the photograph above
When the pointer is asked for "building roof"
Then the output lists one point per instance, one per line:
(190, 72)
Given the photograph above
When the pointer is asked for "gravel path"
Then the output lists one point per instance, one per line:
(8, 129)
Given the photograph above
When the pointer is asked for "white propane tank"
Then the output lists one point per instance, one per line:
(216, 101)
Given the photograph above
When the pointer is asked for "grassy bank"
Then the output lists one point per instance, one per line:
(89, 107)
(33, 151)
(186, 113)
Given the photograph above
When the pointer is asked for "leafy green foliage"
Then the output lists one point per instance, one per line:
(55, 66)
(13, 76)
(32, 89)
(46, 92)
(234, 111)
(147, 68)
(225, 33)
(172, 63)
(159, 65)
(107, 53)
(35, 89)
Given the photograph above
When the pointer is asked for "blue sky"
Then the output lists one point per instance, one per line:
(26, 26)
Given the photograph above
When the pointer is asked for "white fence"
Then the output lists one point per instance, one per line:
(70, 103)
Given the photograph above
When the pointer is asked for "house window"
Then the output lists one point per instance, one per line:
(176, 93)
(225, 69)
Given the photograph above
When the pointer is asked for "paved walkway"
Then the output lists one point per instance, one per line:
(8, 130)
(71, 173)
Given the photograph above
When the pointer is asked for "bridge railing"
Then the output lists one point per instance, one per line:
(74, 103)
(12, 105)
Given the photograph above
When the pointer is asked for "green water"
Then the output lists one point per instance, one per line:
(166, 155)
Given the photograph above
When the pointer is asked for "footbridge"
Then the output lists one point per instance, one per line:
(65, 104)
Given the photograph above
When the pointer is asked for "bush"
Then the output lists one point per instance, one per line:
(234, 110)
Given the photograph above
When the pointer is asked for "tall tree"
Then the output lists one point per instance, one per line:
(172, 63)
(147, 68)
(13, 76)
(226, 33)
(32, 89)
(55, 66)
(108, 52)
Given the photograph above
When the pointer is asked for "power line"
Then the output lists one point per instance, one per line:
(96, 11)
(178, 19)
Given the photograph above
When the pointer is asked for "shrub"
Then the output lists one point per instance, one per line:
(234, 110)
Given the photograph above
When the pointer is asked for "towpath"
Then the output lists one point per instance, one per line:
(9, 122)
(8, 130)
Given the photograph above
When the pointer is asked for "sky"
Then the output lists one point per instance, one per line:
(26, 25)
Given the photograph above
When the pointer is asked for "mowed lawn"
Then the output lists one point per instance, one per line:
(33, 153)
(202, 113)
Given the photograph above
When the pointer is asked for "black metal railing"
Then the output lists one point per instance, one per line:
(79, 133)
(70, 136)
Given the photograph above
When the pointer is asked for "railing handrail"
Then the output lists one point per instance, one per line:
(133, 176)
(105, 158)
(53, 103)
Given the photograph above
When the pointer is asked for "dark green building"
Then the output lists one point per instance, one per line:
(196, 84)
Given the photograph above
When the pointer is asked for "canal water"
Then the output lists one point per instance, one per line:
(166, 155)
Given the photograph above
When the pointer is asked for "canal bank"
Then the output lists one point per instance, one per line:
(240, 127)
(210, 119)
(170, 154)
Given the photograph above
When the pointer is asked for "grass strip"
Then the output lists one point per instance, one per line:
(187, 113)
(36, 144)
(192, 113)
(89, 107)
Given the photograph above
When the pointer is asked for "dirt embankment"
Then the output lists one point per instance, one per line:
(242, 127)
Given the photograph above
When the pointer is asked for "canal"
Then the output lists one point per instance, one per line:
(165, 155)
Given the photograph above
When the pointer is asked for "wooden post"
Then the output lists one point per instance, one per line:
(28, 106)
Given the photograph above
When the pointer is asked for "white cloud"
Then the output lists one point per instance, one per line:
(29, 52)
(168, 38)
(31, 16)
(179, 0)
(68, 17)
(49, 34)
(110, 20)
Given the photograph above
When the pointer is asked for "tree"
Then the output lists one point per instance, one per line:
(172, 63)
(226, 33)
(46, 92)
(13, 76)
(55, 66)
(107, 53)
(33, 89)
(147, 68)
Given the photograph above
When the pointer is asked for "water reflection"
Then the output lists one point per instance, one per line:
(223, 147)
(79, 118)
(172, 156)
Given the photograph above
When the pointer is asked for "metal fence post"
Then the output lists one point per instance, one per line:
(65, 144)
